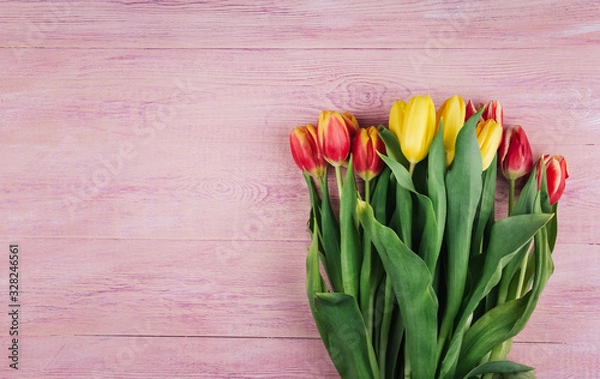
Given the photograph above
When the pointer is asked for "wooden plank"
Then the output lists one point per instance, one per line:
(143, 144)
(156, 358)
(232, 288)
(568, 311)
(557, 361)
(137, 357)
(307, 24)
(166, 288)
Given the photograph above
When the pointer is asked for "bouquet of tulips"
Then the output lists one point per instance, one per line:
(410, 274)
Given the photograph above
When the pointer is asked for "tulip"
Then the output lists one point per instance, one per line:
(514, 154)
(452, 111)
(489, 134)
(494, 111)
(557, 173)
(416, 127)
(334, 137)
(306, 152)
(351, 123)
(470, 111)
(366, 162)
(396, 117)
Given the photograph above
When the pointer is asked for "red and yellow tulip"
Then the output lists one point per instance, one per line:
(514, 154)
(489, 134)
(366, 162)
(557, 173)
(306, 151)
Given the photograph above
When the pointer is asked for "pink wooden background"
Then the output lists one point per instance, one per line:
(147, 179)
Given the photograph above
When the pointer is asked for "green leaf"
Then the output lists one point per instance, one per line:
(314, 281)
(485, 210)
(498, 367)
(350, 244)
(430, 241)
(371, 271)
(526, 202)
(330, 239)
(507, 320)
(394, 344)
(411, 281)
(315, 202)
(349, 347)
(404, 211)
(392, 146)
(508, 236)
(379, 200)
(400, 173)
(552, 228)
(436, 186)
(463, 189)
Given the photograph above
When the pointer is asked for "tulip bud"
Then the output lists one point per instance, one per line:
(514, 154)
(334, 137)
(305, 150)
(366, 162)
(489, 134)
(494, 111)
(557, 173)
(470, 111)
(396, 117)
(351, 123)
(452, 111)
(417, 127)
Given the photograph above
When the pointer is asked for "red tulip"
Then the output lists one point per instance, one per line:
(556, 174)
(494, 111)
(365, 160)
(351, 123)
(514, 155)
(470, 111)
(306, 151)
(334, 137)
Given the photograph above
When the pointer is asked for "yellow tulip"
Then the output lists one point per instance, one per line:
(452, 112)
(396, 117)
(489, 134)
(416, 126)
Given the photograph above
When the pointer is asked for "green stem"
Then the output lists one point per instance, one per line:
(522, 276)
(367, 293)
(407, 368)
(385, 326)
(338, 177)
(411, 168)
(511, 196)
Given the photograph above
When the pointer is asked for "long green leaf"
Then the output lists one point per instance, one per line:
(350, 244)
(349, 347)
(411, 281)
(436, 187)
(525, 204)
(330, 239)
(392, 146)
(498, 367)
(315, 202)
(485, 210)
(430, 241)
(314, 281)
(508, 236)
(463, 188)
(507, 320)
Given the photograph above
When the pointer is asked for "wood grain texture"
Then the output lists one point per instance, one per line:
(233, 289)
(149, 140)
(303, 24)
(147, 178)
